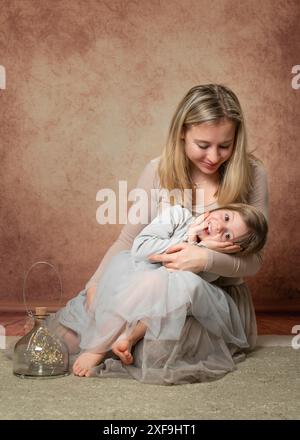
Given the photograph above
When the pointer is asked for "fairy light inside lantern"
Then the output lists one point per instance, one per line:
(40, 354)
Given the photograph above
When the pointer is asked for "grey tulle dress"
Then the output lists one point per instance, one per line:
(196, 331)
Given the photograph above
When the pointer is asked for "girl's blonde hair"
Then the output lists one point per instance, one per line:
(256, 237)
(208, 103)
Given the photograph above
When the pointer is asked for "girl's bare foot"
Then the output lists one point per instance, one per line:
(122, 348)
(85, 362)
(123, 345)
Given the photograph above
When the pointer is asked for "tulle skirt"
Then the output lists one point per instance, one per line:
(196, 331)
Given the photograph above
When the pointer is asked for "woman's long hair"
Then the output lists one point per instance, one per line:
(207, 103)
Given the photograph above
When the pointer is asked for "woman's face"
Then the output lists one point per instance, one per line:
(223, 225)
(209, 145)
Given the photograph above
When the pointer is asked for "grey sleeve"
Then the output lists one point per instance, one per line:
(160, 233)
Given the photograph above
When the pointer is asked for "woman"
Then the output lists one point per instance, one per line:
(206, 148)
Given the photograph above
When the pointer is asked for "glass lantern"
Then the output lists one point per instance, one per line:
(40, 354)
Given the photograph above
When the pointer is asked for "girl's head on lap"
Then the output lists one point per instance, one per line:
(213, 115)
(238, 223)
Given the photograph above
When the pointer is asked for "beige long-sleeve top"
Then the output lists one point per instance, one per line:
(230, 268)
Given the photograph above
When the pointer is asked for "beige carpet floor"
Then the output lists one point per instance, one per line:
(265, 386)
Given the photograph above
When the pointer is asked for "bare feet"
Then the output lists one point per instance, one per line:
(122, 348)
(85, 362)
(123, 345)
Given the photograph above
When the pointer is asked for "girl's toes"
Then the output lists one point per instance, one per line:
(82, 372)
(129, 359)
(76, 371)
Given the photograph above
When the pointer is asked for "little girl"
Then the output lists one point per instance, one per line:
(135, 298)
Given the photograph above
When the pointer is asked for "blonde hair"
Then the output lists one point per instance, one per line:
(207, 103)
(256, 223)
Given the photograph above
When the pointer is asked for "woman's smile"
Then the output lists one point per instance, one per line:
(210, 166)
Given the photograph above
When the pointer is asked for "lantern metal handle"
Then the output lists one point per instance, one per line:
(29, 312)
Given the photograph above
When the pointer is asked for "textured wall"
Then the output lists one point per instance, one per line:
(90, 89)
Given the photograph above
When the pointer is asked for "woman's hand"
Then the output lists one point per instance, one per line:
(182, 256)
(215, 243)
(227, 247)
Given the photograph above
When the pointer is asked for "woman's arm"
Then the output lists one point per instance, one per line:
(147, 181)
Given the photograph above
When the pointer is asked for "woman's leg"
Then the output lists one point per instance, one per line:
(69, 337)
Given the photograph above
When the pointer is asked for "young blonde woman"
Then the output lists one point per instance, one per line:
(206, 148)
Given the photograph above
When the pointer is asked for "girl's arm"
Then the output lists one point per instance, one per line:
(159, 234)
(228, 265)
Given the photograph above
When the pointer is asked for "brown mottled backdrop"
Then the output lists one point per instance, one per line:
(90, 90)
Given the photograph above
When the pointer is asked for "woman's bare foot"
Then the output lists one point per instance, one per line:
(85, 362)
(122, 348)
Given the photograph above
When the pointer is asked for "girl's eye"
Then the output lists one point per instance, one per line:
(204, 147)
(225, 146)
(226, 218)
(227, 236)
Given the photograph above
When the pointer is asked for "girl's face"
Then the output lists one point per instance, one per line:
(223, 225)
(209, 145)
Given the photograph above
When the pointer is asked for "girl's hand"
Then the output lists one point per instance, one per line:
(193, 233)
(196, 227)
(182, 256)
